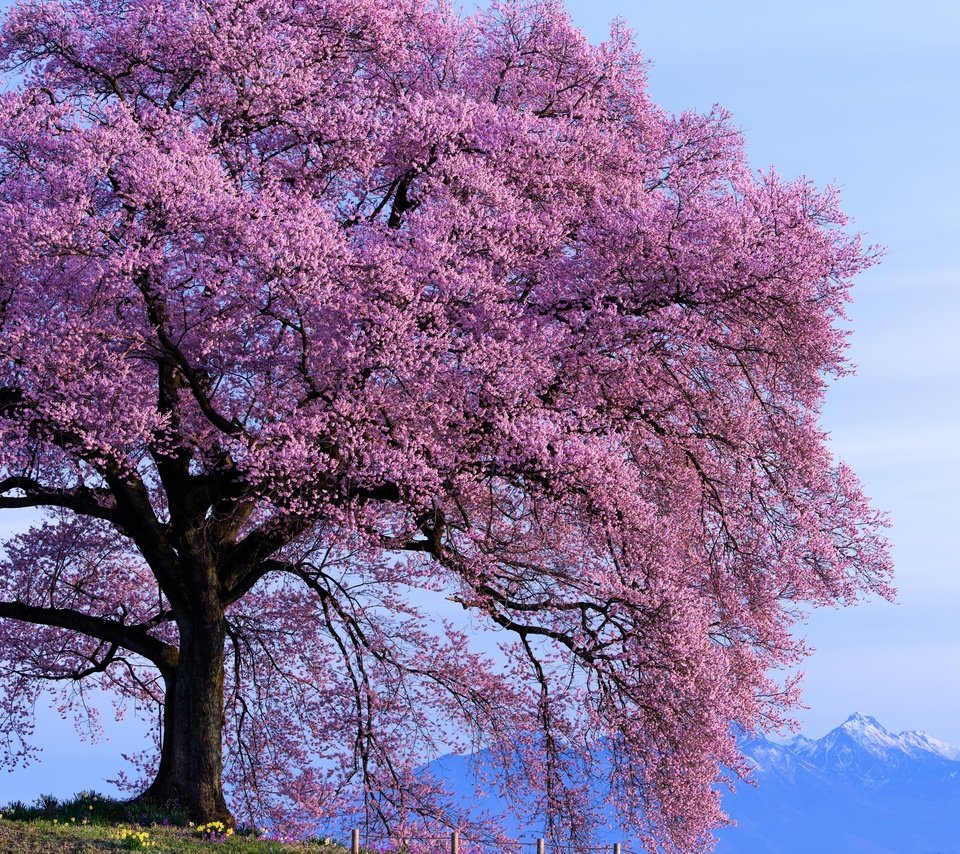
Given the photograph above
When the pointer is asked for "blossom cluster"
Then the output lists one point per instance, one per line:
(334, 331)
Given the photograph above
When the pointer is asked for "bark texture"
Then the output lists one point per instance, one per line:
(191, 760)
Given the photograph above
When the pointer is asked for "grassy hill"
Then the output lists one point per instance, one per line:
(92, 824)
(45, 837)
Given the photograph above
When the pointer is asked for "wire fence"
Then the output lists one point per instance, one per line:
(456, 843)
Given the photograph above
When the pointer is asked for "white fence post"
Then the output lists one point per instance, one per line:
(616, 848)
(541, 846)
(455, 842)
(354, 841)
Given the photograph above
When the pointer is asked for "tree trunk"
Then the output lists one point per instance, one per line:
(191, 758)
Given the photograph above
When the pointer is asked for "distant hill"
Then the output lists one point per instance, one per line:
(858, 790)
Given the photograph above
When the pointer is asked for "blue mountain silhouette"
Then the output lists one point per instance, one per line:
(858, 790)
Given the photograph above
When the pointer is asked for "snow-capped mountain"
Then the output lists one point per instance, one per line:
(861, 732)
(860, 750)
(858, 790)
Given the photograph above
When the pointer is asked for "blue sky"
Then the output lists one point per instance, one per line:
(863, 95)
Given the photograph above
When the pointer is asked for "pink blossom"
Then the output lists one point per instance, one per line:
(318, 318)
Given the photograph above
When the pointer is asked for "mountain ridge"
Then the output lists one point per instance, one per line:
(859, 789)
(863, 749)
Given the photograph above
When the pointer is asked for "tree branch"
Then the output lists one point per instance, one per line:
(139, 521)
(134, 638)
(81, 500)
(197, 379)
(246, 563)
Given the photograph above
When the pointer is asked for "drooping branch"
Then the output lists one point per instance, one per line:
(125, 503)
(82, 500)
(583, 641)
(97, 665)
(132, 637)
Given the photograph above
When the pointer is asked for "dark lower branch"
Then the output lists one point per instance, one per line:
(133, 638)
(81, 500)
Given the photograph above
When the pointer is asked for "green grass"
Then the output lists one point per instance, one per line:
(44, 837)
(96, 809)
(90, 824)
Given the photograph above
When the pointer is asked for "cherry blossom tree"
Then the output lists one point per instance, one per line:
(322, 322)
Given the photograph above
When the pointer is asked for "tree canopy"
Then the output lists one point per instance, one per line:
(317, 313)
